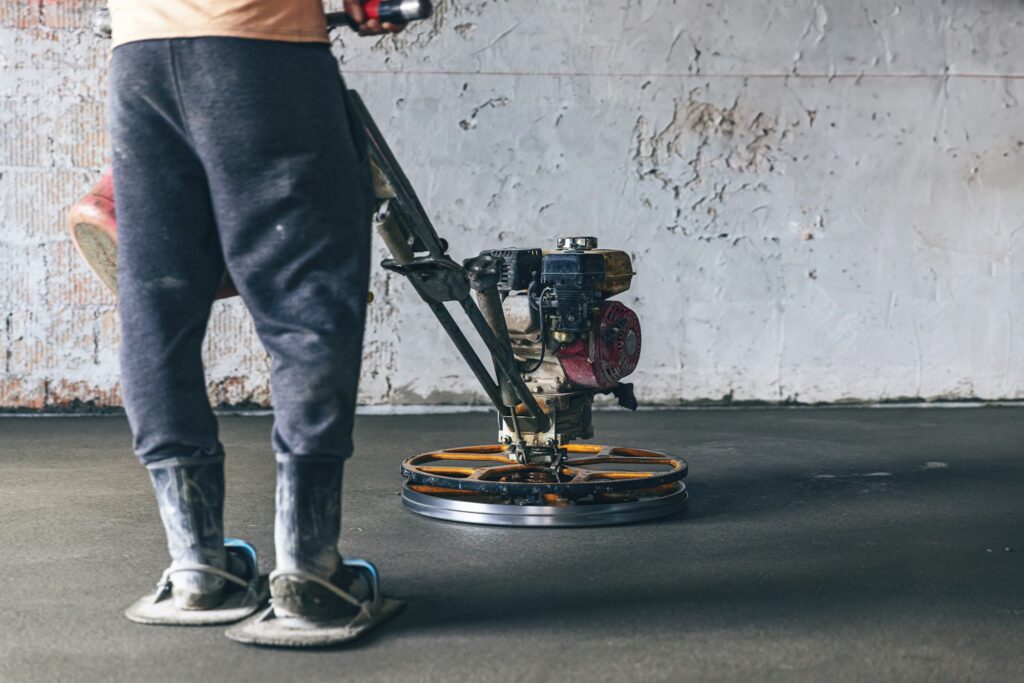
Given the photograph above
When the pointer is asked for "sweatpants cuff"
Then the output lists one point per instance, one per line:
(313, 457)
(199, 459)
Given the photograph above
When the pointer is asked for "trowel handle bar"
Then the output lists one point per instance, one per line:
(386, 11)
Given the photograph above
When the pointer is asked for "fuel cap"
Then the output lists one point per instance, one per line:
(576, 243)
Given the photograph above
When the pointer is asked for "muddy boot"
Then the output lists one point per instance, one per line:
(317, 598)
(306, 531)
(190, 495)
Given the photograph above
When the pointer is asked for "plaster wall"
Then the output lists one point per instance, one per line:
(823, 200)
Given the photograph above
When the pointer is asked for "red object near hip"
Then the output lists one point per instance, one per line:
(93, 225)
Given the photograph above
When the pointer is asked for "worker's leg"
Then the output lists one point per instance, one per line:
(169, 266)
(291, 194)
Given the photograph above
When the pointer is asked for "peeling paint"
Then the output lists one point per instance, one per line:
(822, 199)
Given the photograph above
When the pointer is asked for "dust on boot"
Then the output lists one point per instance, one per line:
(317, 598)
(211, 580)
(307, 528)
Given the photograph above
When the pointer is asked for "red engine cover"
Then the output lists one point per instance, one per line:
(610, 353)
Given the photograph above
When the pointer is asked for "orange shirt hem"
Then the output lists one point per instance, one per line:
(203, 31)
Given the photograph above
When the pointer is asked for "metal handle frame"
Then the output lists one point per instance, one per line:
(437, 278)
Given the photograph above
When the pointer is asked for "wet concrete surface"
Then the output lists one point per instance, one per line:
(832, 544)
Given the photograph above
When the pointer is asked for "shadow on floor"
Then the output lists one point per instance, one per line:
(852, 540)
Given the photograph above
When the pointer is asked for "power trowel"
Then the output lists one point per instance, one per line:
(556, 337)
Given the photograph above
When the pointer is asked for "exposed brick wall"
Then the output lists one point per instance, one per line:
(54, 312)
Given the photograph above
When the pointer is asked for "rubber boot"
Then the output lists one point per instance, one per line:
(190, 496)
(306, 531)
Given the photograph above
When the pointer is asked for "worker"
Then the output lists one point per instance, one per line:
(235, 150)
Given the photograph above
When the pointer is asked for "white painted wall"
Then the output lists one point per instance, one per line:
(824, 200)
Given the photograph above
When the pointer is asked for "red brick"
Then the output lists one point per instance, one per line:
(68, 394)
(22, 393)
(68, 13)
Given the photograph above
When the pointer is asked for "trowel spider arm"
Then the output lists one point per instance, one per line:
(421, 256)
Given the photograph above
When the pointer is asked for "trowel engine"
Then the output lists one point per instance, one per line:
(570, 341)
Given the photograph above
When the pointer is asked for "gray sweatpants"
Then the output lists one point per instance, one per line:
(239, 153)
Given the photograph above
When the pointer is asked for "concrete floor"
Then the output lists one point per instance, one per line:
(838, 544)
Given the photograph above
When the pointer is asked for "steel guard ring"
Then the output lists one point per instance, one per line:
(591, 487)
